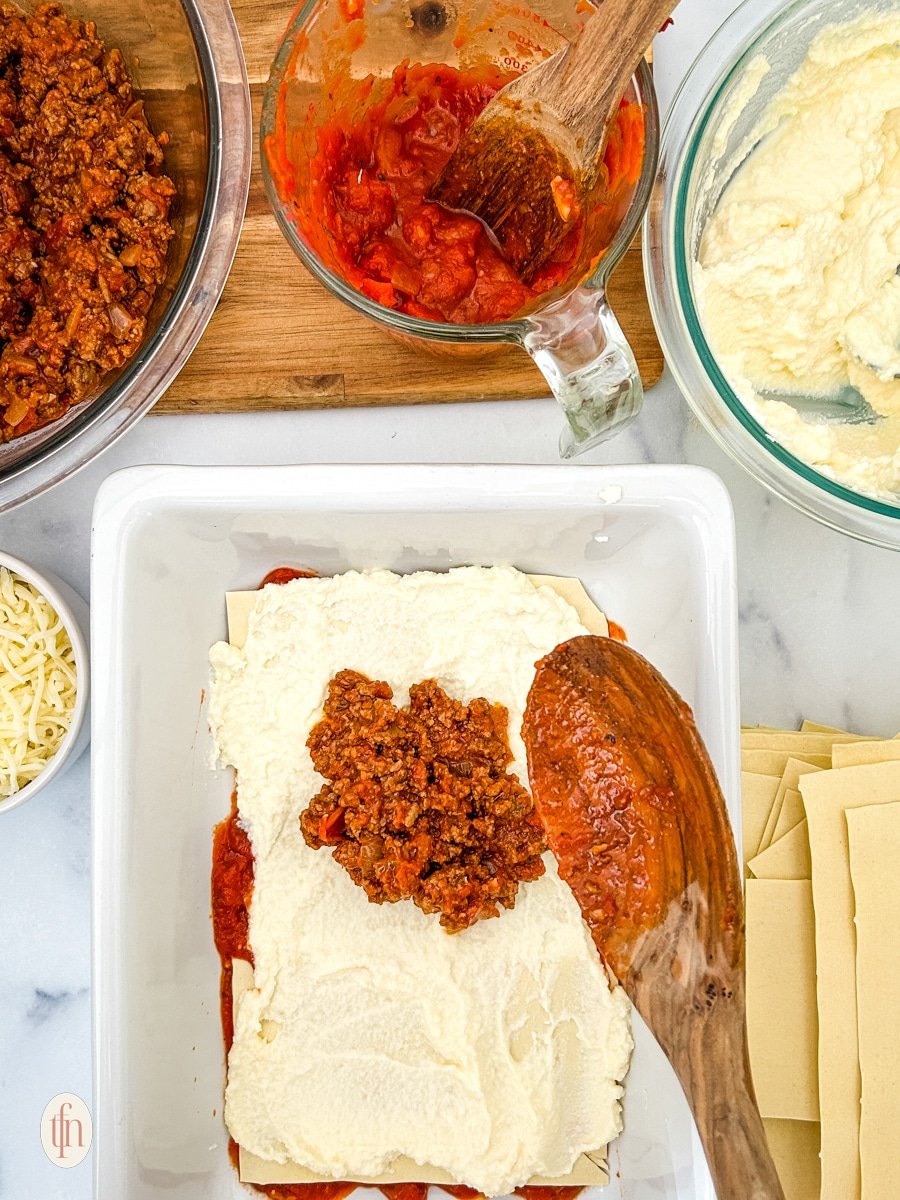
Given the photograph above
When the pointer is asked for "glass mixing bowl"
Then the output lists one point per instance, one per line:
(696, 163)
(185, 60)
(571, 332)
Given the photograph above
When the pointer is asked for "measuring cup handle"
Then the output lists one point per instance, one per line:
(583, 354)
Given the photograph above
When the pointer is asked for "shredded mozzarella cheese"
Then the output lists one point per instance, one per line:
(37, 682)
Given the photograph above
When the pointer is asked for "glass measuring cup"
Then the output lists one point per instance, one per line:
(570, 331)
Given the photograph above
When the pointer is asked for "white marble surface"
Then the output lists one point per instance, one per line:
(818, 638)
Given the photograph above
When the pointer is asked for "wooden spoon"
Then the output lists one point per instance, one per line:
(530, 158)
(636, 820)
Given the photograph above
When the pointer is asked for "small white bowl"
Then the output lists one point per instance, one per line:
(73, 612)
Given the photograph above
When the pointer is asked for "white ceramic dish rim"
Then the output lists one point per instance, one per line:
(220, 498)
(52, 589)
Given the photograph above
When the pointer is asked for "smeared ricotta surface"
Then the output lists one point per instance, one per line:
(797, 280)
(495, 1053)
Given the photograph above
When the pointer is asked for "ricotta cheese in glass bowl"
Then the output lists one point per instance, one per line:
(773, 251)
(797, 279)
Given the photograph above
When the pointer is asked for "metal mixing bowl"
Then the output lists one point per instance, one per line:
(185, 60)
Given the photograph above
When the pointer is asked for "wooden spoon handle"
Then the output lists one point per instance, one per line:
(604, 56)
(715, 1074)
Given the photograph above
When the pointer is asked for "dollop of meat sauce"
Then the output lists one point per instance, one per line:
(419, 804)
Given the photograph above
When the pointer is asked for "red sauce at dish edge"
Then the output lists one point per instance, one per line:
(286, 575)
(365, 214)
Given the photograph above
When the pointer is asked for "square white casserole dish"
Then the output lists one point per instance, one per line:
(653, 545)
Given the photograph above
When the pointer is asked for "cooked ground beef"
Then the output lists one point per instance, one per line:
(84, 208)
(419, 804)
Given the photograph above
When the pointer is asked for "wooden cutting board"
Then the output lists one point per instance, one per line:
(278, 340)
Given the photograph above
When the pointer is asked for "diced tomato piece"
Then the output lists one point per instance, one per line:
(381, 293)
(406, 278)
(447, 279)
(389, 156)
(402, 109)
(418, 228)
(331, 826)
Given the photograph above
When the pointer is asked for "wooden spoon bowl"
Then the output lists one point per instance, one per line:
(529, 161)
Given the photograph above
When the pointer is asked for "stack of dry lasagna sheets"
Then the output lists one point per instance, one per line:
(821, 834)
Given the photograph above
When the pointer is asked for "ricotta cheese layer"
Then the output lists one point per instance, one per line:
(797, 282)
(496, 1053)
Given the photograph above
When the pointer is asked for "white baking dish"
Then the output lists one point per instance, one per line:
(653, 545)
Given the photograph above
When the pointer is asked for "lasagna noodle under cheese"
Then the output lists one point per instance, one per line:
(373, 1045)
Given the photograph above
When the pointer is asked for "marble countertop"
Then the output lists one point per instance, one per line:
(818, 639)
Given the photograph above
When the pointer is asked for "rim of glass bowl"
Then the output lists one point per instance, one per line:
(498, 331)
(194, 298)
(683, 290)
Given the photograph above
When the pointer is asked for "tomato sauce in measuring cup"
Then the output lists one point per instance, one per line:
(366, 102)
(362, 206)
